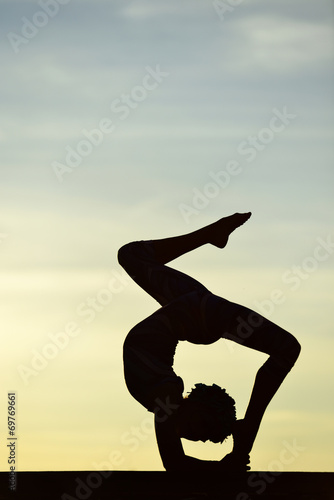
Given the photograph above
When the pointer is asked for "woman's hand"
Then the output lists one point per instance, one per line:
(234, 462)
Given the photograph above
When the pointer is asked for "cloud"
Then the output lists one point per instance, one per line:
(286, 45)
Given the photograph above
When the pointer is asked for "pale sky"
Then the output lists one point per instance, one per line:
(140, 119)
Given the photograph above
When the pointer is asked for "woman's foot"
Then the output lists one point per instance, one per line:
(219, 231)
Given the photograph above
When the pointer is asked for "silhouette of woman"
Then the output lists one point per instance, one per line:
(191, 312)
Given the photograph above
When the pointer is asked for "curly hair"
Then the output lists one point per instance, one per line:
(220, 404)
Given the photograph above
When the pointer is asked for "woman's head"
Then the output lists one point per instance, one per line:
(208, 413)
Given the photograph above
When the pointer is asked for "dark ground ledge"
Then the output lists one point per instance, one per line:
(133, 485)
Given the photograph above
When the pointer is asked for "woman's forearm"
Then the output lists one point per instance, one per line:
(228, 464)
(194, 464)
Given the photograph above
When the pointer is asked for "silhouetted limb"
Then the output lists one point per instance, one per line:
(265, 386)
(217, 234)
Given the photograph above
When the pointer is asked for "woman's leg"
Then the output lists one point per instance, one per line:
(217, 234)
(248, 328)
(163, 283)
(145, 261)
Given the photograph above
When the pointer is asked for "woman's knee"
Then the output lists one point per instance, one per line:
(295, 348)
(289, 352)
(124, 255)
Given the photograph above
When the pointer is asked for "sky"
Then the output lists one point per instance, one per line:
(127, 120)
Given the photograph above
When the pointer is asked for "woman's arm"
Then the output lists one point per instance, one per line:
(170, 445)
(174, 458)
(171, 449)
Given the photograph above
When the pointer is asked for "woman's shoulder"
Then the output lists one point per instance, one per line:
(168, 396)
